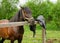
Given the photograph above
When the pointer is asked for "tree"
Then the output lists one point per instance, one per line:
(7, 9)
(43, 7)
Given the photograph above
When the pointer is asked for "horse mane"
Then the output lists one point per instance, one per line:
(16, 17)
(19, 16)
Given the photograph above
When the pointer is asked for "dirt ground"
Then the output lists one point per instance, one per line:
(53, 41)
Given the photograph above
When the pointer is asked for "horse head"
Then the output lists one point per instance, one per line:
(27, 15)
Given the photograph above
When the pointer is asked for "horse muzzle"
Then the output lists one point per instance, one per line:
(31, 20)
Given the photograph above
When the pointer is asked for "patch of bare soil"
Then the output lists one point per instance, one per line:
(53, 41)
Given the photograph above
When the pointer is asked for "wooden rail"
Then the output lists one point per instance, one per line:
(11, 24)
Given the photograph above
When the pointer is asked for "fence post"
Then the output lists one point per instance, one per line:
(43, 35)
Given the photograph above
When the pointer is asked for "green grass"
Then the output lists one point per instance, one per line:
(28, 36)
(53, 34)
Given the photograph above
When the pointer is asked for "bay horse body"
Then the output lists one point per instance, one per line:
(16, 33)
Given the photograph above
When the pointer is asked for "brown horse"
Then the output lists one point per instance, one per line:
(16, 33)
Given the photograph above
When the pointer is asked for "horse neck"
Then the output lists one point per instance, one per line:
(13, 19)
(18, 17)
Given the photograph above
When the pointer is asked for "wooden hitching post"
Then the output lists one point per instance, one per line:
(43, 35)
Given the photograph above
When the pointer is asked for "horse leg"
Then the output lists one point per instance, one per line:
(12, 41)
(1, 41)
(20, 40)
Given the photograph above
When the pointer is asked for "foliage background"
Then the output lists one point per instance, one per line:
(7, 8)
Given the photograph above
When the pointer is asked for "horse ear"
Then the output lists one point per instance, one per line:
(21, 7)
